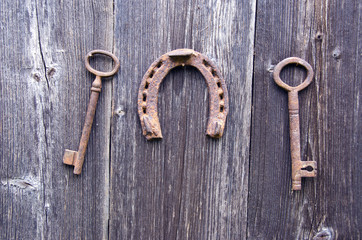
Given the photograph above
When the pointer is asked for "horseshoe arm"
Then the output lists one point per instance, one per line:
(148, 91)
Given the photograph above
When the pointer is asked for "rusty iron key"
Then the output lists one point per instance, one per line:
(299, 168)
(77, 158)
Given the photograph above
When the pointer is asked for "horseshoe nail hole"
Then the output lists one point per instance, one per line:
(144, 110)
(309, 168)
(146, 85)
(144, 97)
(213, 73)
(206, 63)
(221, 95)
(151, 74)
(219, 84)
(159, 64)
(221, 108)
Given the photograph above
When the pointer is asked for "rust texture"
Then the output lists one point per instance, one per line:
(76, 158)
(148, 91)
(299, 168)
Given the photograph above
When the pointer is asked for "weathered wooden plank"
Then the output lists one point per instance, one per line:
(44, 92)
(185, 186)
(328, 35)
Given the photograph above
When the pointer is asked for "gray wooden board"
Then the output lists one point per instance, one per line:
(187, 185)
(328, 35)
(44, 92)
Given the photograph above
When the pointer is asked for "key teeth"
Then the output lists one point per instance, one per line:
(305, 173)
(69, 157)
(296, 185)
(312, 164)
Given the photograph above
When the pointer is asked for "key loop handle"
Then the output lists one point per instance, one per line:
(278, 68)
(99, 73)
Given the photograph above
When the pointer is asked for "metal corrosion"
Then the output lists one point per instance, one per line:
(299, 168)
(148, 91)
(76, 158)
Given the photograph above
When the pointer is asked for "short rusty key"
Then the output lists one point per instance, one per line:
(299, 168)
(77, 158)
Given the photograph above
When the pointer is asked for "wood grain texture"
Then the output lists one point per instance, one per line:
(44, 92)
(187, 185)
(328, 35)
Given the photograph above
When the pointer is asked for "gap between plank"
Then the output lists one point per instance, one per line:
(251, 113)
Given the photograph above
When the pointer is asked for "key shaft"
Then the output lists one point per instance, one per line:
(77, 158)
(91, 110)
(294, 132)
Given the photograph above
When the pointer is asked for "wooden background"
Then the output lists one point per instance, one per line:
(187, 185)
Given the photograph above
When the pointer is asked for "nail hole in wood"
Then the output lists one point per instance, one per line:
(319, 36)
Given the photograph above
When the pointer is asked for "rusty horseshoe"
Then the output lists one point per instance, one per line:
(148, 91)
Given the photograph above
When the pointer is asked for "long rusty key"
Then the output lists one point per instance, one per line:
(77, 158)
(299, 168)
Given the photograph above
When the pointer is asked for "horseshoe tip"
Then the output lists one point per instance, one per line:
(150, 131)
(215, 129)
(151, 137)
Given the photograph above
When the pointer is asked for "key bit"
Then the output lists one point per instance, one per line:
(299, 168)
(76, 158)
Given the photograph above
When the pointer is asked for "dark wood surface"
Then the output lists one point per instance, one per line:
(45, 90)
(187, 185)
(328, 36)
